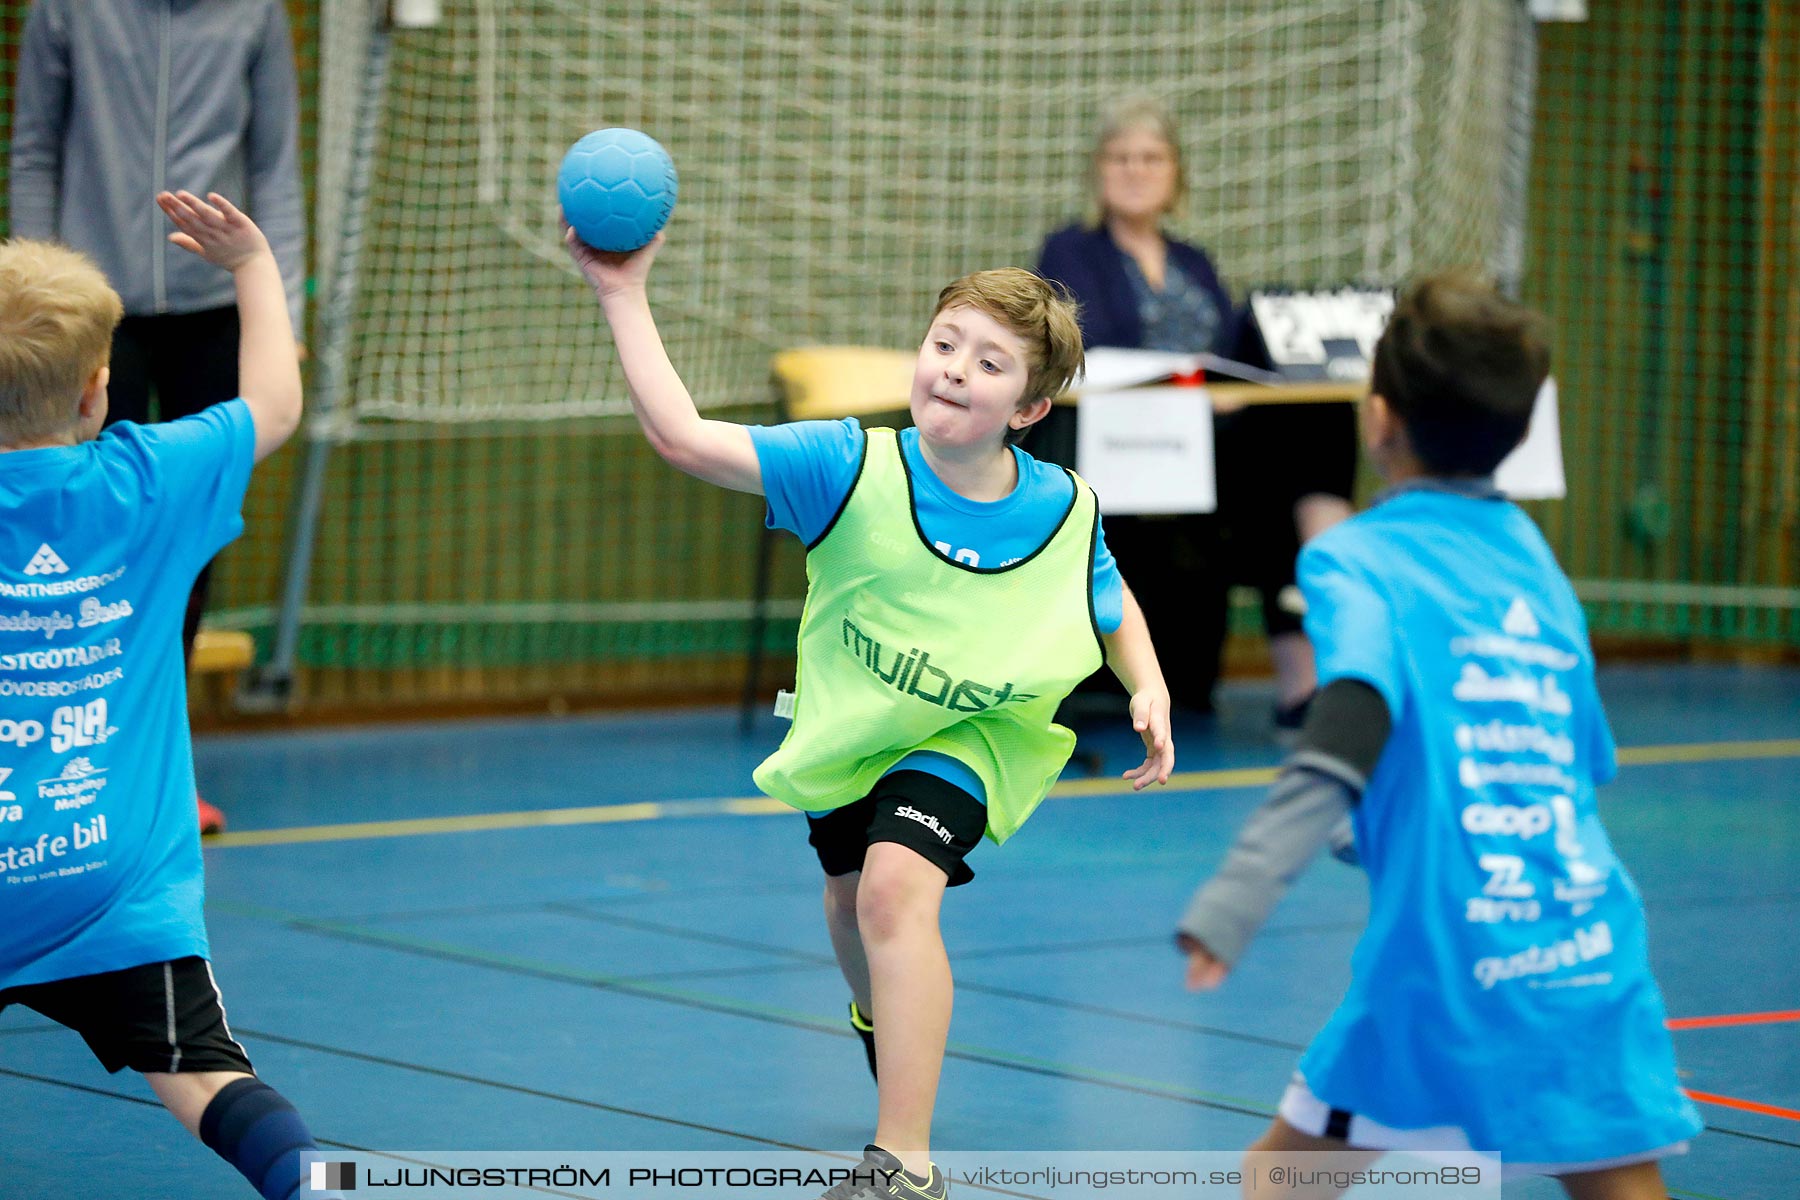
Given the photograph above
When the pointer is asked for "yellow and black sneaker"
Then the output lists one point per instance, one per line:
(908, 1186)
(879, 1176)
(865, 1029)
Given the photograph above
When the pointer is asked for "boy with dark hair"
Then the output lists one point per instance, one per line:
(101, 535)
(958, 589)
(1501, 997)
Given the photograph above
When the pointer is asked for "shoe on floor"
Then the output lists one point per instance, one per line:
(213, 821)
(865, 1029)
(879, 1176)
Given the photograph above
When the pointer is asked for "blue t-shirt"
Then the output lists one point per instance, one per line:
(1503, 984)
(100, 864)
(809, 467)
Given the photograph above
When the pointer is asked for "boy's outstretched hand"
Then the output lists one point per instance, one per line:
(1150, 717)
(609, 273)
(1204, 972)
(213, 228)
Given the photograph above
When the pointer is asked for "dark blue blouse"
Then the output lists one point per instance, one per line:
(1100, 276)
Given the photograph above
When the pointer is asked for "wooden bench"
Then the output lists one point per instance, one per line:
(220, 651)
(220, 656)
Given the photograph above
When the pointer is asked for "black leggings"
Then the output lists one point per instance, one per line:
(187, 361)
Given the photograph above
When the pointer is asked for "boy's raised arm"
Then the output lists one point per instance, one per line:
(1133, 659)
(717, 451)
(268, 360)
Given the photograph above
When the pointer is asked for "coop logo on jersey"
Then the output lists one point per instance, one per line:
(20, 733)
(1508, 820)
(46, 562)
(1519, 620)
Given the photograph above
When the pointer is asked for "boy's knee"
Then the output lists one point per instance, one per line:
(895, 894)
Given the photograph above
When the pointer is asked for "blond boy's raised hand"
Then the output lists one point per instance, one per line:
(213, 228)
(268, 361)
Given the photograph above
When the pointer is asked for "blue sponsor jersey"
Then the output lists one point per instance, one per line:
(100, 863)
(1502, 984)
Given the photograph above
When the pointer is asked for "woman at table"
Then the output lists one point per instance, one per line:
(1140, 288)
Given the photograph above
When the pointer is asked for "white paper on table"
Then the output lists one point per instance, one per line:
(1148, 450)
(1534, 470)
(1110, 368)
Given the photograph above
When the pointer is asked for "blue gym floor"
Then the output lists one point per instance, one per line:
(586, 934)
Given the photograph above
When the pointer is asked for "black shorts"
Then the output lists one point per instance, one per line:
(931, 816)
(160, 1018)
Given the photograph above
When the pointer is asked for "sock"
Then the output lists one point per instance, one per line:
(252, 1126)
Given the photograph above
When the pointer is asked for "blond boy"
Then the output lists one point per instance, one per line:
(101, 536)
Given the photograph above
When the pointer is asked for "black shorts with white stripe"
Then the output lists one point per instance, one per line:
(160, 1018)
(930, 816)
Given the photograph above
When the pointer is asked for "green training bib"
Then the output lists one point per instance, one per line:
(902, 649)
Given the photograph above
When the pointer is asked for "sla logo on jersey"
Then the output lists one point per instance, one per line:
(80, 725)
(1519, 622)
(9, 811)
(46, 562)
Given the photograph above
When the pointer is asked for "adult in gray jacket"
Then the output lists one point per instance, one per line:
(118, 100)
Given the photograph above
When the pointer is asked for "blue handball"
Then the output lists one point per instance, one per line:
(617, 188)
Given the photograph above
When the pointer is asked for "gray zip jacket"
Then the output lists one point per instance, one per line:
(120, 99)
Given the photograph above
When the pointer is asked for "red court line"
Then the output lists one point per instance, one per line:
(1762, 1018)
(1767, 1110)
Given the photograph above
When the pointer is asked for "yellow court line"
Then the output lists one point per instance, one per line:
(1696, 752)
(597, 814)
(603, 814)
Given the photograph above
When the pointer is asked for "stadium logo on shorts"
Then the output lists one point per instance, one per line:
(330, 1176)
(927, 820)
(46, 562)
